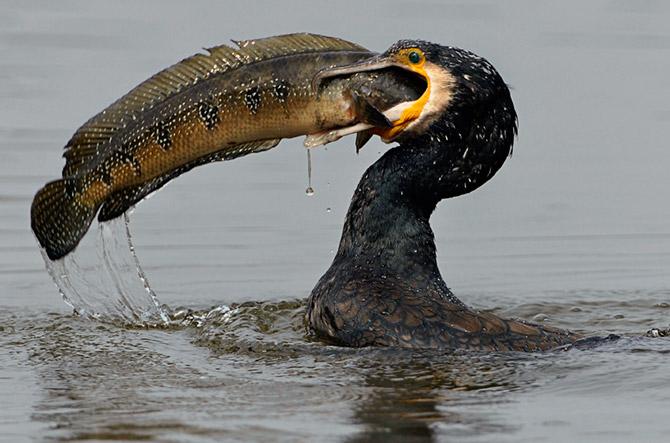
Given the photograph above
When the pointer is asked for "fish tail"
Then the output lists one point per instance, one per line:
(58, 219)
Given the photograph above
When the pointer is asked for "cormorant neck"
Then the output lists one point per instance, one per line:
(385, 231)
(387, 226)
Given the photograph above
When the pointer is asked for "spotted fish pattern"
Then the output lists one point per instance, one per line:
(209, 107)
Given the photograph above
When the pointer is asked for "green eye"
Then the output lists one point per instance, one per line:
(414, 57)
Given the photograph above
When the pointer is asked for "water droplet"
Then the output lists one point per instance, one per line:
(328, 210)
(309, 191)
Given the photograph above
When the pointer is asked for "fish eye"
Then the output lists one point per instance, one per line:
(414, 57)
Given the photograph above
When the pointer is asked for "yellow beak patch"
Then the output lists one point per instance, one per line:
(412, 59)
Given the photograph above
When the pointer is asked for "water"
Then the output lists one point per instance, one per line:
(573, 230)
(309, 191)
(104, 280)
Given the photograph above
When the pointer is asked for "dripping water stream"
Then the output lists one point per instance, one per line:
(103, 278)
(309, 191)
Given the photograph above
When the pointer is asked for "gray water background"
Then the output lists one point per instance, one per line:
(573, 230)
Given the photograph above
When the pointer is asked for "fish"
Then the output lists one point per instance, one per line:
(379, 97)
(219, 105)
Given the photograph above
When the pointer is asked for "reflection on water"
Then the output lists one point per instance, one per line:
(572, 232)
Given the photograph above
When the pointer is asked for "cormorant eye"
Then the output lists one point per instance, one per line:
(414, 57)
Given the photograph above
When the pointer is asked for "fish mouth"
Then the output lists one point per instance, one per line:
(402, 114)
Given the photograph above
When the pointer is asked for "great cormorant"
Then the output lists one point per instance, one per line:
(384, 286)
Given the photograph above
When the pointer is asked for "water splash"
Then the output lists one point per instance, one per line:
(105, 281)
(161, 309)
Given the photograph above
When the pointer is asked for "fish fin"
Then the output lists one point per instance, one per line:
(123, 200)
(95, 136)
(58, 219)
(366, 112)
(269, 47)
(318, 139)
(362, 138)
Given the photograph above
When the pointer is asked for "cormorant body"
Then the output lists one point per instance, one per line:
(384, 287)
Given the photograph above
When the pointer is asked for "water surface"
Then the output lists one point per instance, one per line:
(572, 231)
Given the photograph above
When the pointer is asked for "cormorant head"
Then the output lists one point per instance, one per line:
(464, 123)
(465, 97)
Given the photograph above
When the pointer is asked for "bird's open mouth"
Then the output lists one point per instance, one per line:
(412, 76)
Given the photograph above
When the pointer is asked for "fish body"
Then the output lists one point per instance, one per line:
(209, 107)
